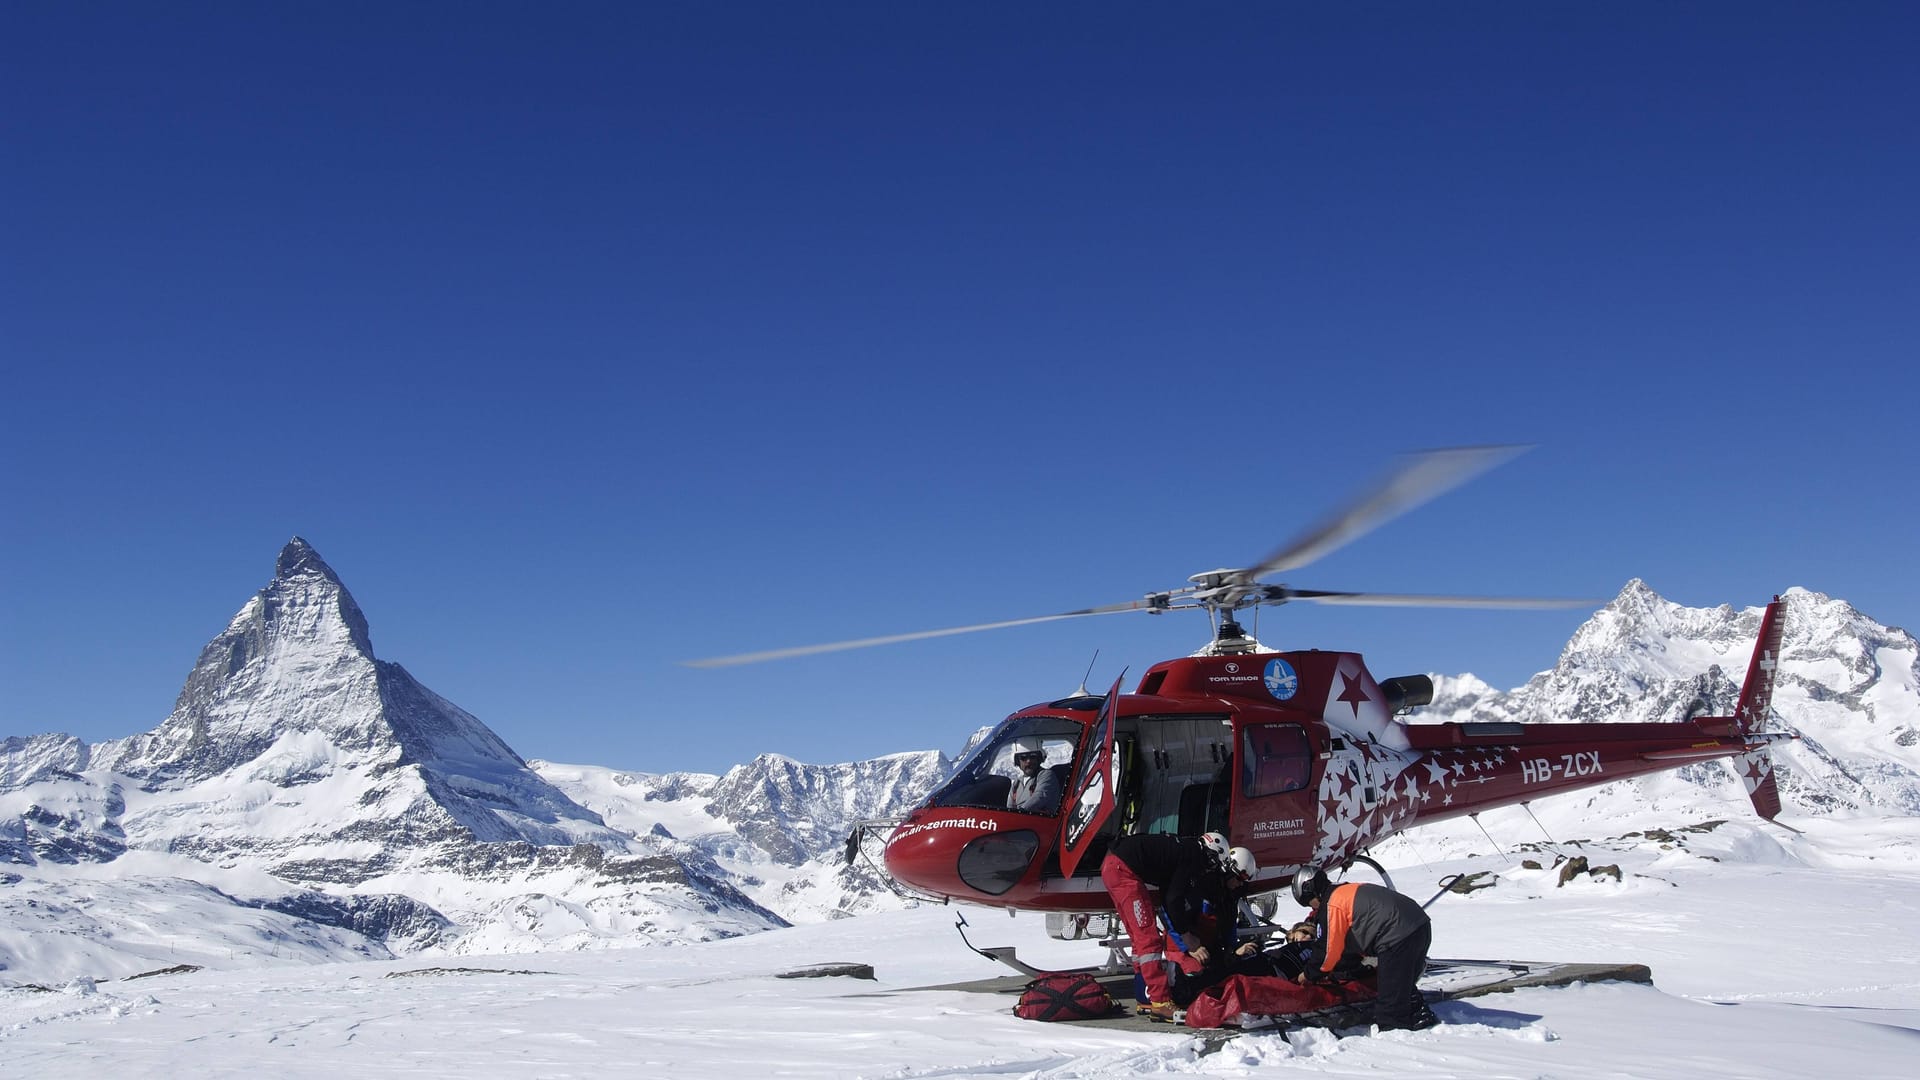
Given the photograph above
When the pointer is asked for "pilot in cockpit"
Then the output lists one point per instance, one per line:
(1037, 789)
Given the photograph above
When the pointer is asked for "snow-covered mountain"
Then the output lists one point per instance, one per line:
(300, 774)
(306, 800)
(776, 824)
(1848, 686)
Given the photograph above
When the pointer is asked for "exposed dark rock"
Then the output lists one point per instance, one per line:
(828, 971)
(69, 838)
(1571, 869)
(1474, 882)
(386, 917)
(177, 969)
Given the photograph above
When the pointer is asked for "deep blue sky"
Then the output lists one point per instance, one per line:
(584, 339)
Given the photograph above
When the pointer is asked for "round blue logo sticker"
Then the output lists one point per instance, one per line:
(1282, 682)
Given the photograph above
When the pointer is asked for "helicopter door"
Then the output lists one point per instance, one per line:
(1275, 803)
(1093, 794)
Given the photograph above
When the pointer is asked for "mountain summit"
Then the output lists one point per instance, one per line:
(291, 695)
(341, 792)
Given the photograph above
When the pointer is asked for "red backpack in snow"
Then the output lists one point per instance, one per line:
(1062, 996)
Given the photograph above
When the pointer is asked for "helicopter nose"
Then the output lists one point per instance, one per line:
(960, 860)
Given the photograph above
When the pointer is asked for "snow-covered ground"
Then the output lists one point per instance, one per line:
(1773, 954)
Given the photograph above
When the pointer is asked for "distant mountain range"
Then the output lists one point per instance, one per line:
(309, 801)
(1848, 686)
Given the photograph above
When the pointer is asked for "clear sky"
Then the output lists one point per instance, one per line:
(584, 339)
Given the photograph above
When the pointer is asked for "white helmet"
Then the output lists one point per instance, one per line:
(1029, 744)
(1240, 863)
(1216, 846)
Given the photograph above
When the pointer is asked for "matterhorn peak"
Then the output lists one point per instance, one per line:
(298, 557)
(307, 593)
(291, 695)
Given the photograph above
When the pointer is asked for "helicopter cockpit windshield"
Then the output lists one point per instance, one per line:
(1023, 766)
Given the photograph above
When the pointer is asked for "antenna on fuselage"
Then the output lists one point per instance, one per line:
(1083, 691)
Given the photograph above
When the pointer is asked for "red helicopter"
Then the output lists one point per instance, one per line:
(1300, 756)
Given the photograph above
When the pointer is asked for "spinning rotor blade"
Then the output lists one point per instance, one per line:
(1371, 599)
(1419, 478)
(1148, 604)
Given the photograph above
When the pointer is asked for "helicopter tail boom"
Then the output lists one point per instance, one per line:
(1533, 759)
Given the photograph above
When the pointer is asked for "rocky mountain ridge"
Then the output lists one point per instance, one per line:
(1847, 686)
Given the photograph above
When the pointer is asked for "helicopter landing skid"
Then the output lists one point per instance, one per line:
(1119, 958)
(1003, 953)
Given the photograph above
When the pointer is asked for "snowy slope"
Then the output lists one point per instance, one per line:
(1785, 958)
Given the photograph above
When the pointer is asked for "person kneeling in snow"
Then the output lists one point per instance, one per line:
(1372, 920)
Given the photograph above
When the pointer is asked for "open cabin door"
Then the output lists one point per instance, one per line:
(1093, 793)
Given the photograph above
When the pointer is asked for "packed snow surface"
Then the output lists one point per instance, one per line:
(1773, 954)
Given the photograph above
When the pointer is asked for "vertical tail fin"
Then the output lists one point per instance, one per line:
(1756, 698)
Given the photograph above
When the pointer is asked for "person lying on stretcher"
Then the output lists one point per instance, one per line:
(1292, 955)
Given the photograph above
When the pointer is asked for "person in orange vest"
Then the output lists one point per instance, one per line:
(1193, 875)
(1357, 919)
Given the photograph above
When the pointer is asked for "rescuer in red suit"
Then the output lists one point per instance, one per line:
(1195, 877)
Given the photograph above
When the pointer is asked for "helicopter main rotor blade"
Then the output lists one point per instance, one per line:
(1149, 604)
(1419, 478)
(1370, 599)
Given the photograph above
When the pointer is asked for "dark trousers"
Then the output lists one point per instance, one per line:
(1400, 967)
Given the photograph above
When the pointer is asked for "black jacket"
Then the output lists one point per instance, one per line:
(1365, 919)
(1189, 879)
